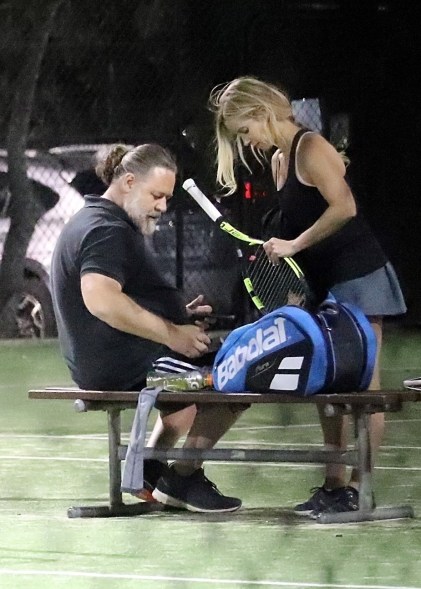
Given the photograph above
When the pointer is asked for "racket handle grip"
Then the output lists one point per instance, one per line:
(190, 186)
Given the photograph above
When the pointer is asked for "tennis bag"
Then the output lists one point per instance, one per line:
(291, 350)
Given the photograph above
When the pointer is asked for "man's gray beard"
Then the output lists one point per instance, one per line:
(146, 225)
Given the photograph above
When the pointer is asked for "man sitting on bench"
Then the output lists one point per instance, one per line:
(116, 315)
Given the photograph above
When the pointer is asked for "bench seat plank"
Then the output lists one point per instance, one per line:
(211, 396)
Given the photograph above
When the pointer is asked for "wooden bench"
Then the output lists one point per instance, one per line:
(359, 405)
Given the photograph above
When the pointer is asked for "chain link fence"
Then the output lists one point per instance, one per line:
(134, 72)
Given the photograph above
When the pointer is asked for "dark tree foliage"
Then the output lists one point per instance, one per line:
(33, 21)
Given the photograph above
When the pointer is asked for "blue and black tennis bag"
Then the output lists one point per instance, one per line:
(293, 351)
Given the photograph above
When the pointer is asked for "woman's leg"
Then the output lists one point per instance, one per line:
(377, 419)
(335, 437)
(335, 429)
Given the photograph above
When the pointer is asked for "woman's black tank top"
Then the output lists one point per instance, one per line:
(350, 253)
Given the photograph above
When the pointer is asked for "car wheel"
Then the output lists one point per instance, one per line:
(35, 314)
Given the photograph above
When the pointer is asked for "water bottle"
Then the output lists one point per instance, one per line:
(192, 380)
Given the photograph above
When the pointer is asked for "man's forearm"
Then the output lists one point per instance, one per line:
(121, 312)
(104, 298)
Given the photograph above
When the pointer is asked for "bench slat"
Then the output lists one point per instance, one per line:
(379, 398)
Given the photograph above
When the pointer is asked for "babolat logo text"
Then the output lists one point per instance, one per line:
(262, 342)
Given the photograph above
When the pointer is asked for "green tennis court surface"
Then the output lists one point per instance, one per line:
(52, 458)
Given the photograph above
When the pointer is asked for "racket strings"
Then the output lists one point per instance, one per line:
(275, 284)
(264, 276)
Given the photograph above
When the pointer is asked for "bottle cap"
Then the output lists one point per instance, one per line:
(208, 379)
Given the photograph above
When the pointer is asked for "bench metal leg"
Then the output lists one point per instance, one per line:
(365, 463)
(116, 507)
(366, 510)
(114, 440)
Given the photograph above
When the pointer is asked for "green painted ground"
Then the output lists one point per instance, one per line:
(52, 458)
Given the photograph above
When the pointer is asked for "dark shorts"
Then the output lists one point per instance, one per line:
(174, 363)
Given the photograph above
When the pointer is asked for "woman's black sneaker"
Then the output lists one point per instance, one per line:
(321, 499)
(347, 500)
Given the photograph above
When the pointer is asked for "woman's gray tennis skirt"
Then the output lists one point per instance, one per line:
(377, 293)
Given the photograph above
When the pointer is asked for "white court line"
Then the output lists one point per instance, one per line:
(295, 425)
(282, 464)
(264, 427)
(52, 458)
(232, 443)
(57, 436)
(233, 429)
(203, 580)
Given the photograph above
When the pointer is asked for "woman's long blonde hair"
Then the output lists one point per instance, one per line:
(244, 98)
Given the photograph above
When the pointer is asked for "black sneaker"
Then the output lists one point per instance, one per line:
(346, 500)
(320, 500)
(152, 471)
(194, 492)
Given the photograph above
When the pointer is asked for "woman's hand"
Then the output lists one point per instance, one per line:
(279, 248)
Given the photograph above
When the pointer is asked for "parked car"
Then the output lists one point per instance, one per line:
(35, 311)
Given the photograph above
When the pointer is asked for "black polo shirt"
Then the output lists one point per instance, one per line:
(101, 238)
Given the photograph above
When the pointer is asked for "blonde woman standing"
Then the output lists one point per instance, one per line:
(321, 226)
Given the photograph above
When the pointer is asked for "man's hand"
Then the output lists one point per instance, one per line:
(189, 340)
(200, 312)
(196, 308)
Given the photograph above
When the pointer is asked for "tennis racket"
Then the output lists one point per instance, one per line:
(269, 285)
